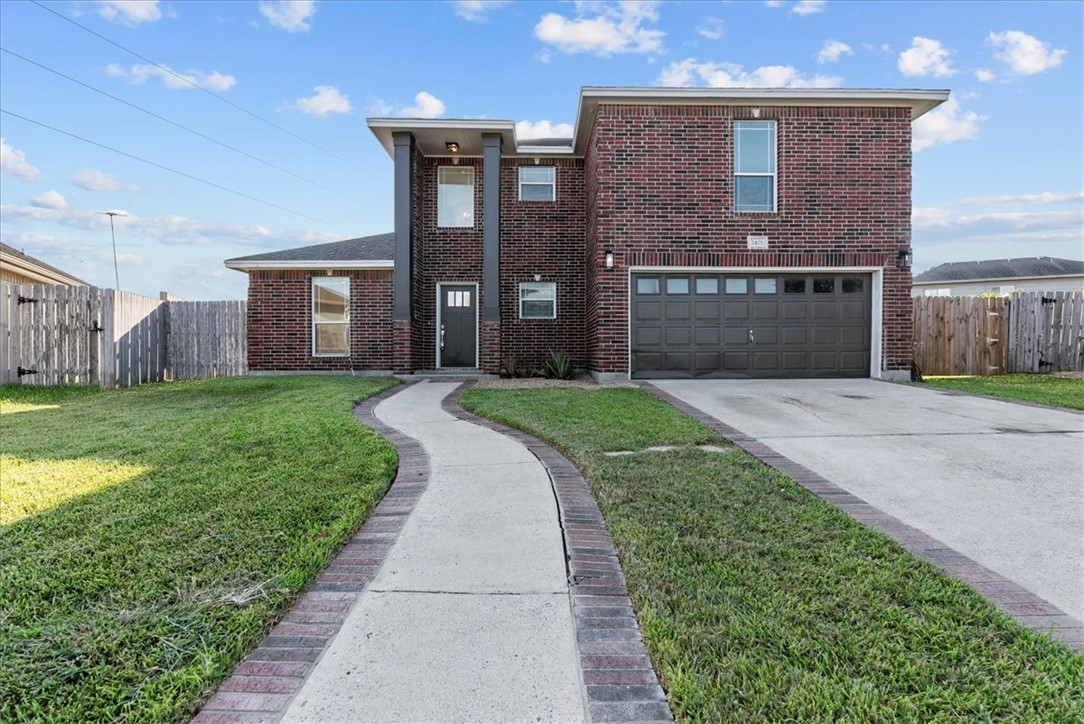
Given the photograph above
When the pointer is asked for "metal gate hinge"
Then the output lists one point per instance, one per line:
(22, 371)
(27, 300)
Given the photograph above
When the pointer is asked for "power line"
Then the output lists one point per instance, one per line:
(174, 123)
(164, 168)
(194, 84)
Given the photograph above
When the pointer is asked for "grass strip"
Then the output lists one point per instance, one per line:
(151, 536)
(1065, 392)
(758, 601)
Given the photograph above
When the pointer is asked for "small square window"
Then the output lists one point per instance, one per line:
(537, 183)
(736, 285)
(794, 286)
(853, 285)
(677, 285)
(707, 285)
(538, 300)
(455, 197)
(647, 285)
(764, 286)
(824, 286)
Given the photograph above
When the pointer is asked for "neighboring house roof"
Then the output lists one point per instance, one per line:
(994, 269)
(18, 267)
(432, 134)
(366, 252)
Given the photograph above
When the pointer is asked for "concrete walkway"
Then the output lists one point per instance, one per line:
(469, 618)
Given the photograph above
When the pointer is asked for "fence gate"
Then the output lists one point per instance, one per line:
(50, 334)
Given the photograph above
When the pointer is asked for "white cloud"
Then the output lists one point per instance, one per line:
(926, 57)
(168, 229)
(49, 200)
(1046, 197)
(1025, 54)
(326, 100)
(690, 72)
(712, 29)
(604, 28)
(945, 124)
(91, 180)
(173, 79)
(476, 11)
(13, 161)
(833, 50)
(802, 7)
(985, 75)
(426, 105)
(543, 56)
(526, 130)
(130, 12)
(809, 7)
(293, 16)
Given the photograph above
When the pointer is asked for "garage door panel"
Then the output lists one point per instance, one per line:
(678, 311)
(678, 361)
(735, 310)
(648, 311)
(706, 336)
(706, 311)
(803, 325)
(678, 336)
(647, 336)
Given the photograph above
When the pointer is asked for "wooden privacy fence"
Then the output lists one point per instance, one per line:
(1025, 332)
(59, 335)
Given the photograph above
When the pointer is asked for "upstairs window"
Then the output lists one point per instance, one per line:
(754, 166)
(538, 300)
(330, 316)
(455, 197)
(537, 183)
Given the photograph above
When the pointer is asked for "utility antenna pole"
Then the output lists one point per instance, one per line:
(113, 234)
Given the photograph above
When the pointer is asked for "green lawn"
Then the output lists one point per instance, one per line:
(760, 602)
(1044, 389)
(151, 536)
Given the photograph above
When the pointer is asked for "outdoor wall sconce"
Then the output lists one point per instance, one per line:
(904, 258)
(609, 256)
(452, 146)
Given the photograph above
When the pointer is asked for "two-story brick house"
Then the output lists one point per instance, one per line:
(678, 233)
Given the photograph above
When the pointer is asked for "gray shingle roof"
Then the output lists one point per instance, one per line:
(554, 142)
(1041, 266)
(380, 247)
(34, 260)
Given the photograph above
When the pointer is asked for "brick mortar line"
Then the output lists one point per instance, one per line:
(619, 680)
(1029, 610)
(263, 685)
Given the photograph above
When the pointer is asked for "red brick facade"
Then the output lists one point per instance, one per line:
(661, 190)
(280, 322)
(655, 186)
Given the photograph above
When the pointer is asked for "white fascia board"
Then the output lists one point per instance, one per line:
(529, 150)
(39, 274)
(382, 128)
(241, 265)
(950, 282)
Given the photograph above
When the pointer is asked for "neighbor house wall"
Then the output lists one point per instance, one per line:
(280, 321)
(660, 192)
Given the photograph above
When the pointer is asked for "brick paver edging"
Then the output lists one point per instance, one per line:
(620, 681)
(1021, 604)
(263, 685)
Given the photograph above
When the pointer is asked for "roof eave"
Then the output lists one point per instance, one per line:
(254, 265)
(984, 280)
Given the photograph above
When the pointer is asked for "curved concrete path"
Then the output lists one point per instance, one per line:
(469, 618)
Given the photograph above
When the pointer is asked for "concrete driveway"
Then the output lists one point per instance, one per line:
(1000, 482)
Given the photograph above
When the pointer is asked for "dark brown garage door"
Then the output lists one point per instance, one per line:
(750, 325)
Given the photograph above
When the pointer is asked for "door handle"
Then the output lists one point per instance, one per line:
(442, 337)
(751, 339)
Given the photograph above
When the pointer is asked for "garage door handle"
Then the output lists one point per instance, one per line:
(751, 340)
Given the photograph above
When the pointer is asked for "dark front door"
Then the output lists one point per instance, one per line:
(458, 325)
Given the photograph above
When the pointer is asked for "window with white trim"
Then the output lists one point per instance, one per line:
(538, 300)
(537, 183)
(330, 316)
(754, 166)
(455, 196)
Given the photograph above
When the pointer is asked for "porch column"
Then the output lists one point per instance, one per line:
(403, 302)
(491, 229)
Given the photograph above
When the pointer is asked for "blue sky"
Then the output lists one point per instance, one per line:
(998, 171)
